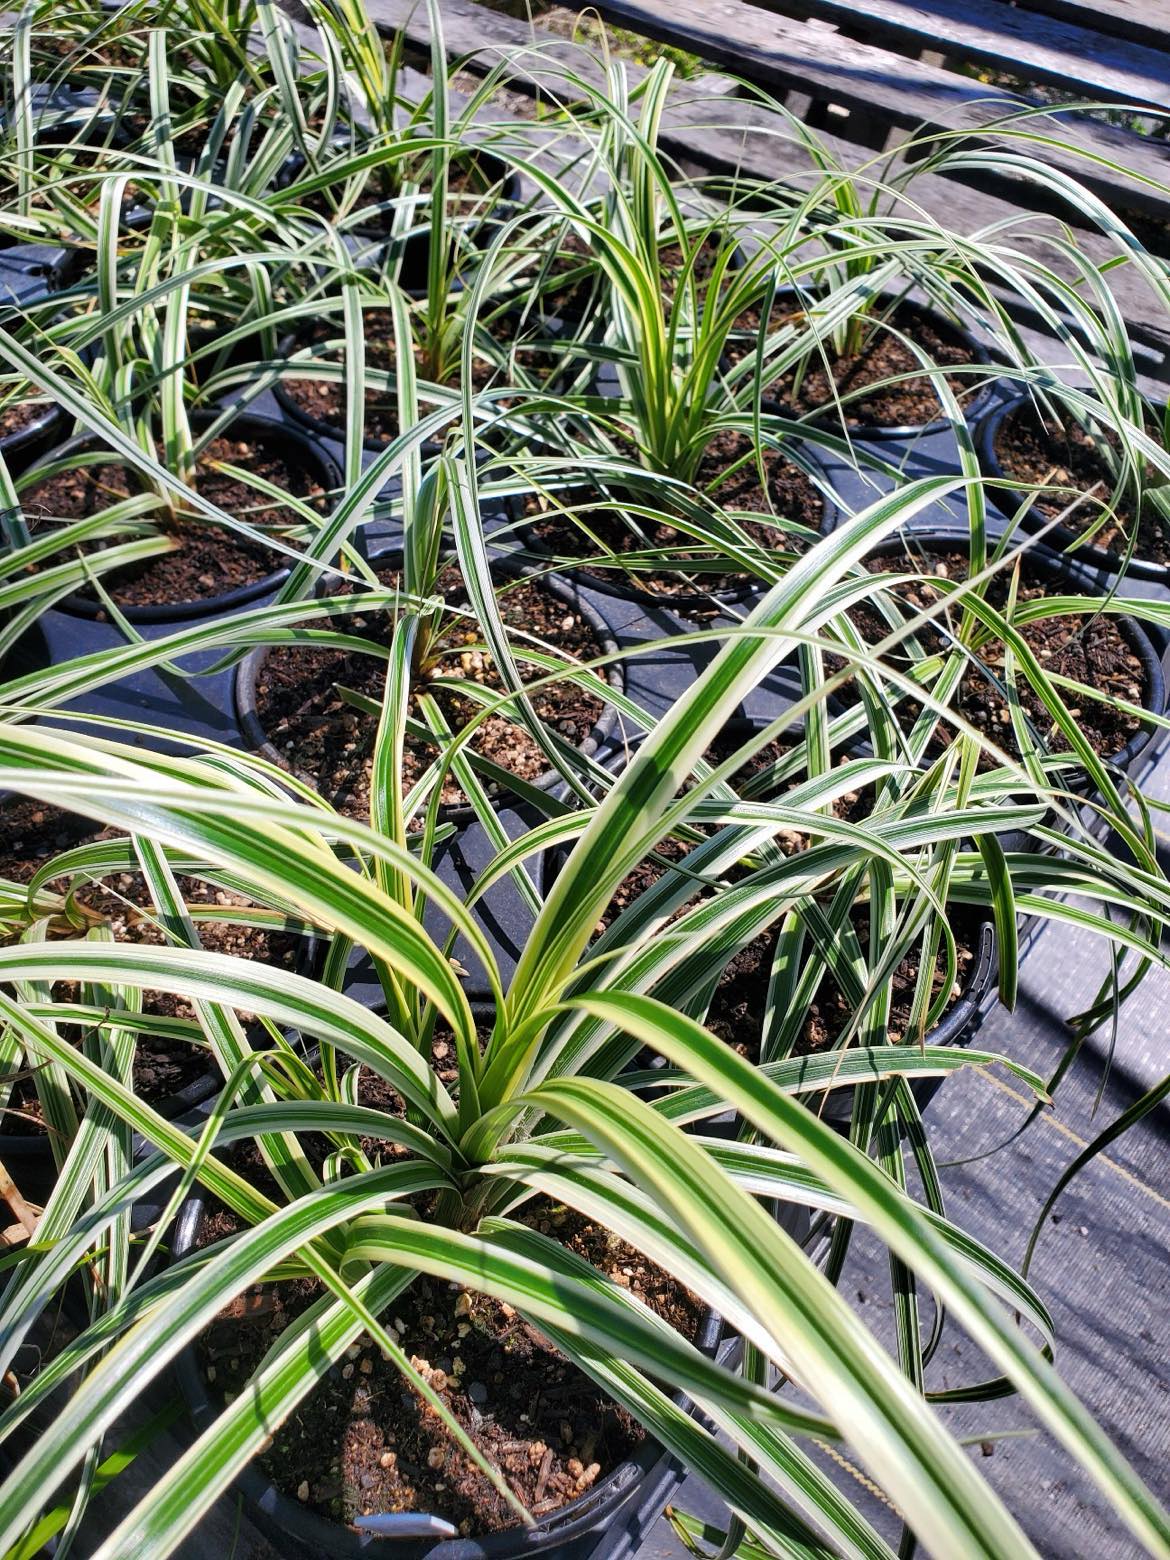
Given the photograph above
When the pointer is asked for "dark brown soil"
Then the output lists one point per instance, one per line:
(323, 739)
(737, 1008)
(207, 560)
(826, 377)
(78, 493)
(1067, 458)
(729, 475)
(568, 299)
(1091, 649)
(31, 835)
(326, 401)
(127, 51)
(643, 877)
(673, 262)
(363, 1443)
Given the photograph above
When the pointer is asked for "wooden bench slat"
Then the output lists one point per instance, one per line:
(1140, 21)
(782, 55)
(1022, 43)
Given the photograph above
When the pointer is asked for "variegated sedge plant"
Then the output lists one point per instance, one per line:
(38, 570)
(117, 341)
(848, 240)
(880, 239)
(85, 101)
(198, 260)
(688, 362)
(49, 142)
(540, 1107)
(409, 153)
(104, 51)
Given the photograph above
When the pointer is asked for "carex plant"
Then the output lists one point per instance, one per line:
(537, 1106)
(656, 279)
(874, 243)
(129, 350)
(413, 184)
(83, 99)
(676, 281)
(546, 1098)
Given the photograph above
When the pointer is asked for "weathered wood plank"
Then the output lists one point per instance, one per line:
(1141, 21)
(780, 55)
(1019, 42)
(704, 120)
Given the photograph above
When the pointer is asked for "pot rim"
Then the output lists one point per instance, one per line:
(276, 429)
(255, 735)
(334, 433)
(41, 430)
(958, 1024)
(370, 242)
(25, 1146)
(41, 263)
(1061, 539)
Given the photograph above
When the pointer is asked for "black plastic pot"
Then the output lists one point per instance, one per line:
(28, 1156)
(319, 427)
(58, 113)
(29, 443)
(296, 445)
(862, 430)
(511, 567)
(636, 1488)
(611, 582)
(29, 272)
(1060, 538)
(334, 432)
(1075, 577)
